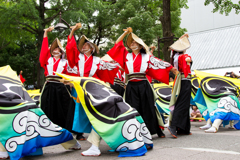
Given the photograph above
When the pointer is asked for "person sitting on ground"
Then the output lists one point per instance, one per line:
(195, 113)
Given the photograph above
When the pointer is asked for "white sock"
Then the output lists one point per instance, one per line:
(211, 130)
(166, 125)
(3, 154)
(77, 146)
(92, 151)
(207, 126)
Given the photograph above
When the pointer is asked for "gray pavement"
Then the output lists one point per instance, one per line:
(222, 145)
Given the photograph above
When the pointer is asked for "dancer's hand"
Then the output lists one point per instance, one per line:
(153, 47)
(128, 30)
(76, 27)
(175, 71)
(49, 29)
(185, 35)
(188, 60)
(64, 81)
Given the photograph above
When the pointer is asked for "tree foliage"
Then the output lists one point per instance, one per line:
(22, 23)
(224, 6)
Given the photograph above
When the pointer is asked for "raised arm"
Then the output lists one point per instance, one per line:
(47, 30)
(74, 28)
(126, 31)
(71, 48)
(152, 49)
(45, 51)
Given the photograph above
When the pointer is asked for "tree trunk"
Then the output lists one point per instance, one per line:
(41, 26)
(166, 27)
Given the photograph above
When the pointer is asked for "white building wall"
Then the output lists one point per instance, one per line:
(198, 17)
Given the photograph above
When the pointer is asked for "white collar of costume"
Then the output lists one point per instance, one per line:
(81, 63)
(144, 64)
(60, 66)
(175, 63)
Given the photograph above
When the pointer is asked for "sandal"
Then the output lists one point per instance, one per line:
(80, 137)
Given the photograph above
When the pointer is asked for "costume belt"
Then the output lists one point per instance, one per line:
(189, 77)
(141, 76)
(51, 78)
(119, 82)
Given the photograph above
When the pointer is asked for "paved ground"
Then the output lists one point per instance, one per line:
(222, 145)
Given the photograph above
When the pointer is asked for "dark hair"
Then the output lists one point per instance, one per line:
(172, 58)
(142, 50)
(193, 106)
(171, 75)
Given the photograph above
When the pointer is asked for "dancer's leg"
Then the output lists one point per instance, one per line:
(95, 139)
(215, 126)
(72, 144)
(208, 125)
(3, 152)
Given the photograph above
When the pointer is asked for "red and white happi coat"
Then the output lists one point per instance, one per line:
(72, 71)
(21, 78)
(142, 63)
(91, 66)
(120, 78)
(49, 63)
(181, 64)
(120, 75)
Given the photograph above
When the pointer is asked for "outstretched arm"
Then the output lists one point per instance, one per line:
(45, 51)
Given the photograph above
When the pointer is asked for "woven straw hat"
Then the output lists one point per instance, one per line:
(107, 58)
(84, 39)
(134, 37)
(56, 43)
(181, 44)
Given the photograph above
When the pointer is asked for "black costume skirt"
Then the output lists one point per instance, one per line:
(55, 101)
(119, 89)
(180, 118)
(70, 116)
(139, 95)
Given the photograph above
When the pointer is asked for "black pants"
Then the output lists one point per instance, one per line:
(119, 89)
(180, 117)
(139, 95)
(55, 102)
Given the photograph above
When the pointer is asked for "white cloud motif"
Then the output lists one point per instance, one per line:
(106, 65)
(205, 112)
(131, 130)
(158, 64)
(227, 104)
(33, 125)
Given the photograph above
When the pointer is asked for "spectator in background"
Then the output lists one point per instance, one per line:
(171, 77)
(195, 113)
(231, 75)
(21, 77)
